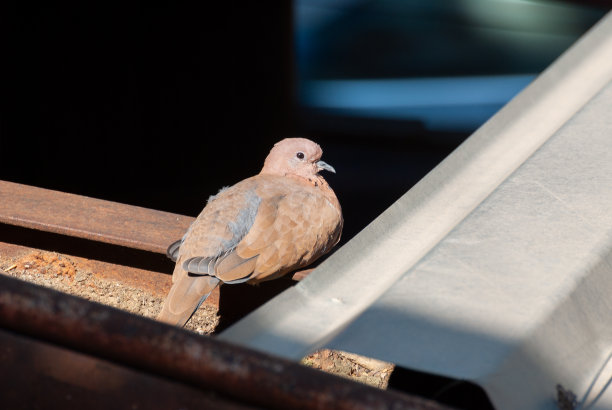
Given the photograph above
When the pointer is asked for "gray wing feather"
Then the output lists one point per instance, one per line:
(208, 266)
(200, 265)
(239, 227)
(173, 250)
(245, 219)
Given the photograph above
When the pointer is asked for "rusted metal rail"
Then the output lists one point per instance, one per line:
(84, 354)
(155, 283)
(40, 375)
(90, 218)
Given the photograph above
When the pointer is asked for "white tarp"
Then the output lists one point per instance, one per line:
(496, 267)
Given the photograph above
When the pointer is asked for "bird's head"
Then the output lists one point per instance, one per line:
(296, 156)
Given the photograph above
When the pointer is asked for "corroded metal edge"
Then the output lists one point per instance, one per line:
(90, 218)
(203, 362)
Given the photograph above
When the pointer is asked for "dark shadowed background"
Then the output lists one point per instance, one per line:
(161, 105)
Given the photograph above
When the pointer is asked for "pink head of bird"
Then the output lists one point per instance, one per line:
(295, 156)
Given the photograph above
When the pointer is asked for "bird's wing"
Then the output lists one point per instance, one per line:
(294, 225)
(207, 248)
(209, 244)
(173, 249)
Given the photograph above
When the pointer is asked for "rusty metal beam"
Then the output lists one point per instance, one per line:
(242, 374)
(72, 380)
(90, 218)
(156, 283)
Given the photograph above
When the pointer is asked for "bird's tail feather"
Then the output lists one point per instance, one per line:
(185, 297)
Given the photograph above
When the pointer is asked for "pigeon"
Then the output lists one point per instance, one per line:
(261, 228)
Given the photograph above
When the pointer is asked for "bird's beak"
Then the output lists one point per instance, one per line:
(321, 165)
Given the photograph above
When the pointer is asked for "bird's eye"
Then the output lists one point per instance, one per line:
(300, 155)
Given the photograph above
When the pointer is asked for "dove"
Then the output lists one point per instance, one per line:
(259, 229)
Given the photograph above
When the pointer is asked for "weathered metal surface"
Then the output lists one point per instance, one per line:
(155, 283)
(39, 375)
(90, 218)
(203, 362)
